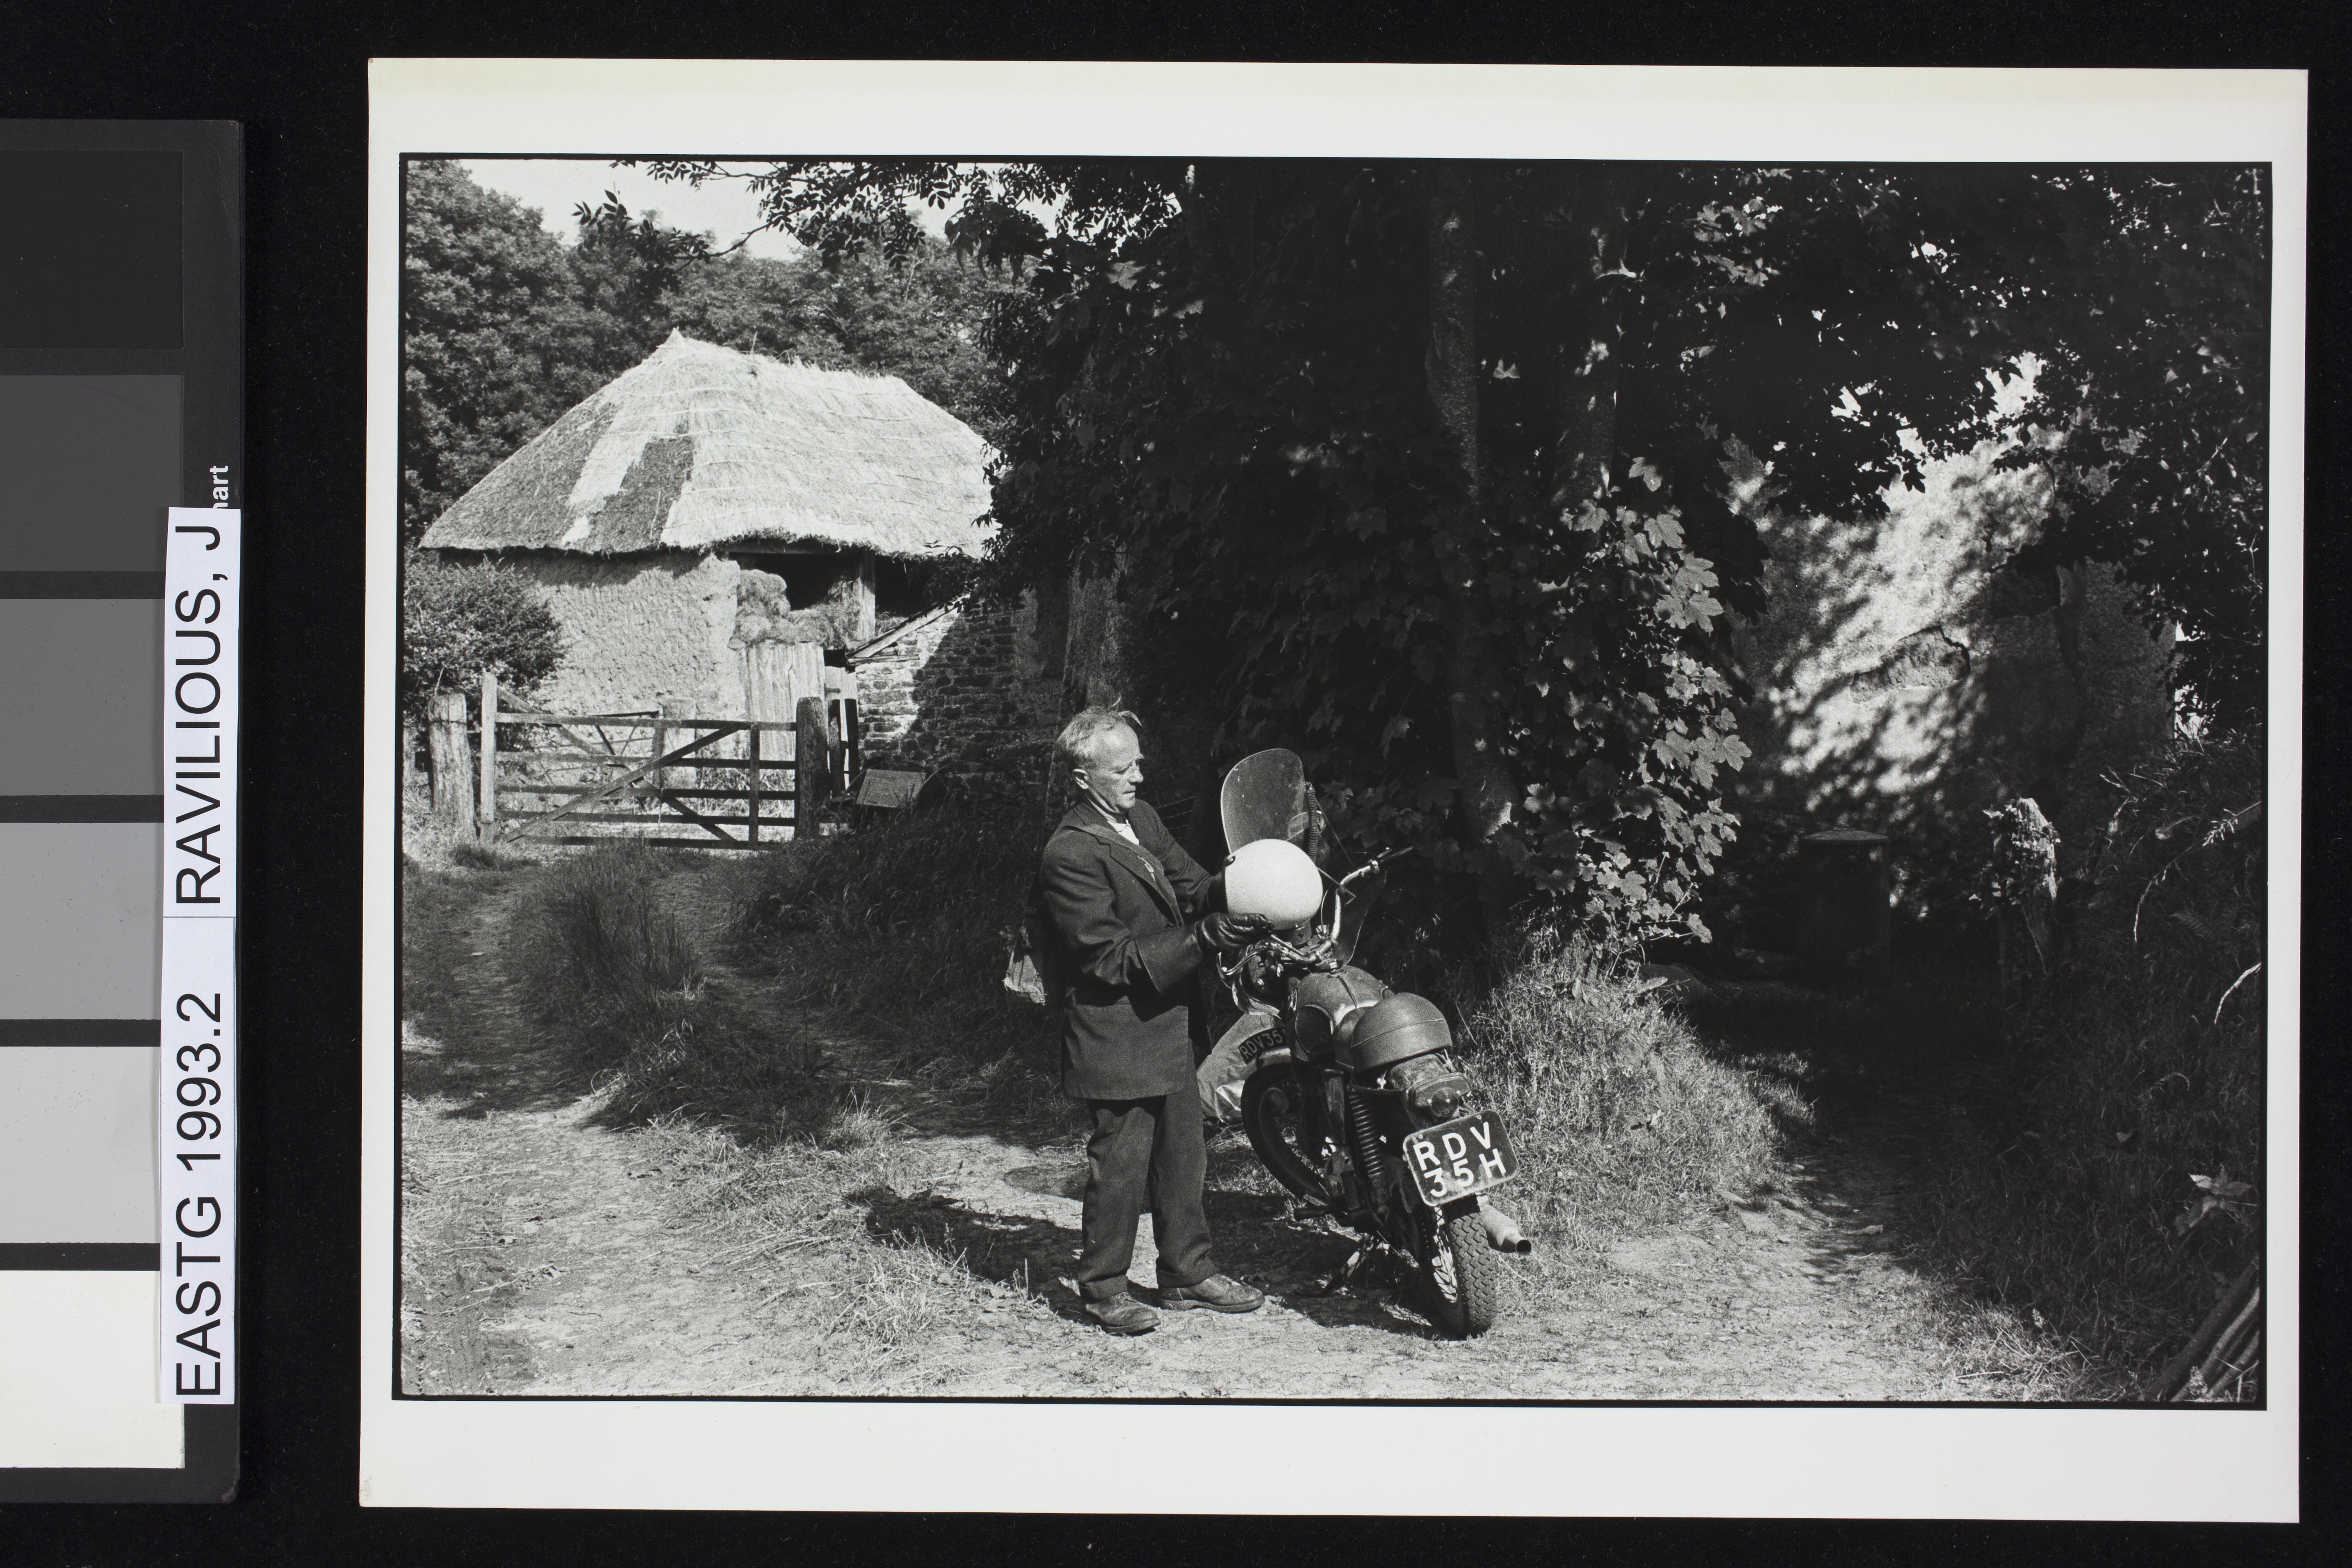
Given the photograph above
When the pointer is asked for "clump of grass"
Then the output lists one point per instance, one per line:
(602, 954)
(2134, 1067)
(855, 1124)
(904, 1291)
(599, 957)
(1618, 1111)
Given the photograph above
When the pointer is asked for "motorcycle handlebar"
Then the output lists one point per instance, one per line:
(1377, 861)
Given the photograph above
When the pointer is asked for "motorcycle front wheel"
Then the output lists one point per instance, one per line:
(1286, 1131)
(1459, 1272)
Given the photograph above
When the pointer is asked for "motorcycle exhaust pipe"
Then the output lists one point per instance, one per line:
(1503, 1232)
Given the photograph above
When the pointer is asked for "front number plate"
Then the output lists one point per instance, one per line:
(1457, 1158)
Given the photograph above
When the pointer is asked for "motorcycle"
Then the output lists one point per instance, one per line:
(1352, 1100)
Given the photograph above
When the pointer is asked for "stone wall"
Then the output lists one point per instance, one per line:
(1907, 679)
(963, 692)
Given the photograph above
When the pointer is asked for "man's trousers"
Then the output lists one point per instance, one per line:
(1144, 1153)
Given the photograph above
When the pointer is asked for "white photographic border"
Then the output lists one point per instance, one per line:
(1866, 1461)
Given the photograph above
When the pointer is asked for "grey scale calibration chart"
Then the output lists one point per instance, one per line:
(121, 485)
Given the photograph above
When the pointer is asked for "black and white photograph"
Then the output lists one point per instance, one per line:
(1387, 781)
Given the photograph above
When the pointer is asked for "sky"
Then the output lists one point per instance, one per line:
(723, 208)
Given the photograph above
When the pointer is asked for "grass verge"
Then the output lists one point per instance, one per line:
(2112, 1184)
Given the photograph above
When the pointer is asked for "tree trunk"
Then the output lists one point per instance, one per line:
(1093, 670)
(1586, 451)
(1473, 675)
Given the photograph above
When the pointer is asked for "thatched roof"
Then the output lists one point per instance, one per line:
(701, 447)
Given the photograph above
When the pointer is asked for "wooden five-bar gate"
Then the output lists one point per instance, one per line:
(734, 783)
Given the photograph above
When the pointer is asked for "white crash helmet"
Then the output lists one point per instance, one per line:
(1273, 878)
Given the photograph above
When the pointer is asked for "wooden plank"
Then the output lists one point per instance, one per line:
(513, 779)
(777, 674)
(712, 845)
(645, 819)
(708, 824)
(638, 721)
(631, 759)
(486, 807)
(617, 721)
(453, 762)
(814, 772)
(566, 791)
(751, 790)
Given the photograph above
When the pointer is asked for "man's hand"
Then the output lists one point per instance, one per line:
(1230, 932)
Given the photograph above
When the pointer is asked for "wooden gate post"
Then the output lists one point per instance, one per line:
(812, 766)
(485, 807)
(452, 771)
(665, 738)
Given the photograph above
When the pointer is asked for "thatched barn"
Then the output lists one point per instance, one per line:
(709, 508)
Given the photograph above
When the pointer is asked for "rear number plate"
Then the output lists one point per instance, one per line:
(1457, 1158)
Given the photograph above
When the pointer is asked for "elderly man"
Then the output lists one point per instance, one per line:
(1135, 918)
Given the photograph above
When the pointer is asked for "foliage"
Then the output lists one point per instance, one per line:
(505, 327)
(2103, 1178)
(2150, 404)
(1438, 561)
(458, 621)
(494, 342)
(904, 924)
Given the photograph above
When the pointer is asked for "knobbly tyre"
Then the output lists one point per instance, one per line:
(1353, 1102)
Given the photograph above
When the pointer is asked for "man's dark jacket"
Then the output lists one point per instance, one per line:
(1131, 1012)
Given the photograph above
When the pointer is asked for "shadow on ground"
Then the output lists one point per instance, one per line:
(1259, 1238)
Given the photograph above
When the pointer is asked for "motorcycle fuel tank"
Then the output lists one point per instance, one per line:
(1327, 1007)
(1400, 1026)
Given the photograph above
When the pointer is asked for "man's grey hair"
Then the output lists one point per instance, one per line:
(1084, 733)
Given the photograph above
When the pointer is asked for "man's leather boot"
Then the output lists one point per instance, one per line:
(1123, 1314)
(1217, 1293)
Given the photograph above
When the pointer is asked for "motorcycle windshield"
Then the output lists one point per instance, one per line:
(1264, 798)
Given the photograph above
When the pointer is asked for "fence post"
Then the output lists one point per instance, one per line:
(752, 794)
(811, 766)
(485, 807)
(453, 781)
(671, 708)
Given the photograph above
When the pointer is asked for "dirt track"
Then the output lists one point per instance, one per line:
(543, 1253)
